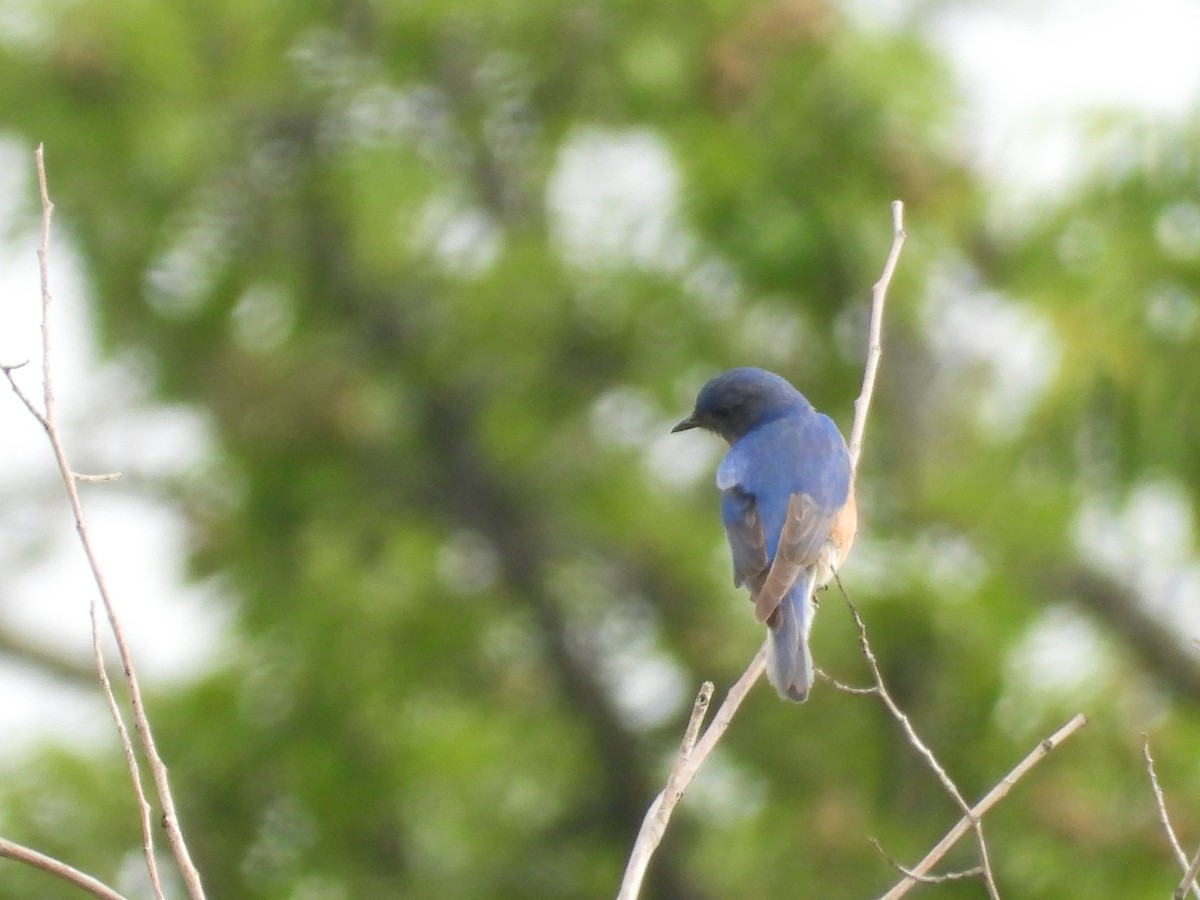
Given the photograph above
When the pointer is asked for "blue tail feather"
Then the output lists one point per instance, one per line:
(789, 664)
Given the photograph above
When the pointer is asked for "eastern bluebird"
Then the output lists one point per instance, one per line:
(787, 504)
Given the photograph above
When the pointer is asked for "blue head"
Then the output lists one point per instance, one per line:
(732, 403)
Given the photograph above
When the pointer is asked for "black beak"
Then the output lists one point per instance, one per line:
(688, 423)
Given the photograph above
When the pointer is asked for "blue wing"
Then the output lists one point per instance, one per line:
(781, 485)
(744, 531)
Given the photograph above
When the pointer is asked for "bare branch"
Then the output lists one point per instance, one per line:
(1161, 802)
(945, 877)
(922, 748)
(21, 395)
(46, 417)
(875, 340)
(135, 773)
(58, 869)
(699, 710)
(725, 712)
(691, 756)
(43, 254)
(654, 824)
(1189, 878)
(977, 812)
(847, 688)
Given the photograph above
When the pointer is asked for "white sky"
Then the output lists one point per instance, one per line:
(1028, 69)
(1031, 67)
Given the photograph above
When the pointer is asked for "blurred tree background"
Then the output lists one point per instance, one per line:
(441, 275)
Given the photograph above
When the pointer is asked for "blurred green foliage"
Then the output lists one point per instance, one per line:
(442, 274)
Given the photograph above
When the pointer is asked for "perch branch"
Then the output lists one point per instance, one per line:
(690, 758)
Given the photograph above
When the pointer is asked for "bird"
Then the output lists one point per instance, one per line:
(787, 505)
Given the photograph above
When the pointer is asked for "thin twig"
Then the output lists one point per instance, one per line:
(21, 395)
(46, 417)
(654, 824)
(875, 331)
(977, 812)
(846, 688)
(686, 766)
(1189, 878)
(135, 773)
(921, 747)
(683, 770)
(59, 869)
(974, 872)
(725, 712)
(1161, 802)
(50, 424)
(692, 732)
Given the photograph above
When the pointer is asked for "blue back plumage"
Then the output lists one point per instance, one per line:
(799, 452)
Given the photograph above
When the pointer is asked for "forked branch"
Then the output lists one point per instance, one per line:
(977, 812)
